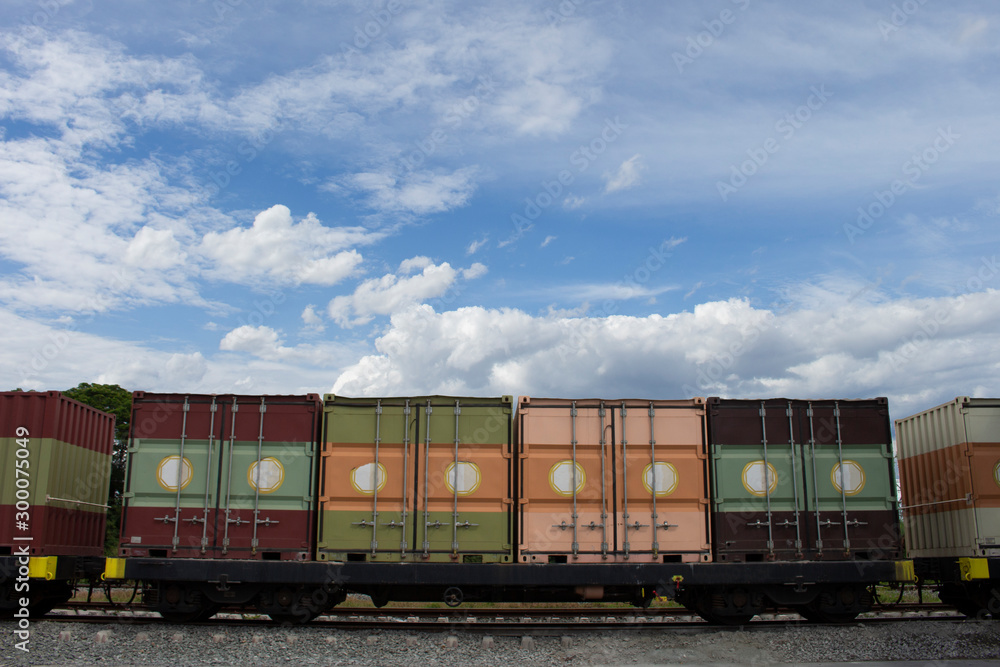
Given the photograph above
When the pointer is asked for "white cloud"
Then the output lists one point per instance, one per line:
(844, 349)
(390, 293)
(548, 240)
(312, 320)
(419, 193)
(475, 246)
(278, 248)
(627, 176)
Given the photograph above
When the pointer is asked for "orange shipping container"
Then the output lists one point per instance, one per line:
(949, 461)
(612, 481)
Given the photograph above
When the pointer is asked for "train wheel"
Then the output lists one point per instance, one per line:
(837, 605)
(970, 600)
(725, 606)
(189, 616)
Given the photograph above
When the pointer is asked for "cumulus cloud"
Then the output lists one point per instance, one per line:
(390, 293)
(278, 248)
(730, 348)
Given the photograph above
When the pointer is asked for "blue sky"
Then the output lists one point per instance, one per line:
(575, 198)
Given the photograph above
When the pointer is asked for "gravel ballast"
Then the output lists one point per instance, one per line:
(57, 643)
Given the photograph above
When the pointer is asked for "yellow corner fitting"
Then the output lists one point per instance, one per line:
(905, 571)
(43, 567)
(114, 568)
(974, 568)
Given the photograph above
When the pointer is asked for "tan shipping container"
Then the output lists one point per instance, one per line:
(949, 460)
(611, 481)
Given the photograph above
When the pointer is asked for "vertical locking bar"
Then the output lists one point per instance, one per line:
(427, 463)
(576, 535)
(229, 475)
(180, 476)
(208, 476)
(454, 485)
(256, 486)
(652, 470)
(406, 471)
(767, 481)
(625, 515)
(795, 479)
(604, 484)
(843, 475)
(812, 455)
(378, 440)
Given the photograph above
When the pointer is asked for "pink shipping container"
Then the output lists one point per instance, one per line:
(612, 481)
(55, 454)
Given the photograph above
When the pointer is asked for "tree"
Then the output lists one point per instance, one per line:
(117, 401)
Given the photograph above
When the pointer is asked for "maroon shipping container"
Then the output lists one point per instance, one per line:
(56, 467)
(221, 476)
(800, 479)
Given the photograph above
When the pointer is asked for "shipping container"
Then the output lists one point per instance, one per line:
(794, 479)
(56, 461)
(221, 476)
(418, 479)
(611, 481)
(949, 460)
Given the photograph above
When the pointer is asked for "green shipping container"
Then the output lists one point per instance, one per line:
(421, 479)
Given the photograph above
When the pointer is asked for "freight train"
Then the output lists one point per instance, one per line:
(284, 505)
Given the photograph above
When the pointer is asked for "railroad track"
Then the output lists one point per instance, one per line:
(537, 620)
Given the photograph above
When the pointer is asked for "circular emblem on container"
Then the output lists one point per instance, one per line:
(849, 477)
(166, 472)
(753, 478)
(465, 477)
(366, 478)
(561, 478)
(266, 475)
(662, 476)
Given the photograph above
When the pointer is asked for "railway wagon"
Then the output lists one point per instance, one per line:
(55, 455)
(949, 460)
(420, 498)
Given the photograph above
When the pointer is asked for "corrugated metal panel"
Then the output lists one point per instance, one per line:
(640, 491)
(796, 479)
(224, 476)
(66, 480)
(950, 476)
(416, 479)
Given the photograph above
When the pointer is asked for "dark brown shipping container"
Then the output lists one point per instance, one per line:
(221, 476)
(795, 479)
(56, 462)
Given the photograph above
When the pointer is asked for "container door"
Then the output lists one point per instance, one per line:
(850, 480)
(566, 483)
(464, 471)
(265, 504)
(662, 502)
(982, 433)
(173, 463)
(756, 481)
(367, 499)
